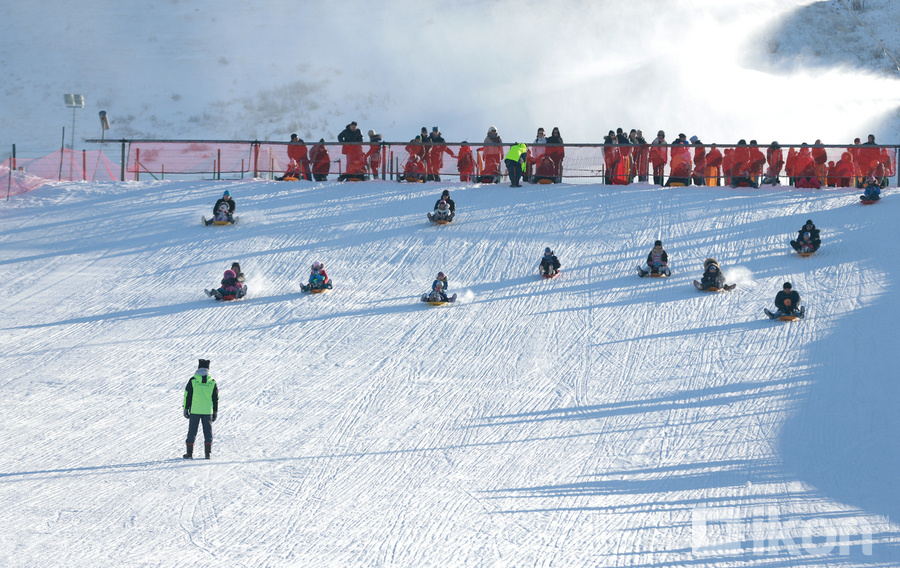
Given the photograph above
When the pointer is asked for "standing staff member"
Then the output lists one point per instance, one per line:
(201, 404)
(515, 163)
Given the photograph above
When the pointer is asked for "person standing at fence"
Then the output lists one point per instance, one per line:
(714, 160)
(493, 153)
(757, 162)
(298, 156)
(557, 152)
(641, 156)
(200, 406)
(536, 152)
(659, 156)
(321, 161)
(436, 154)
(775, 160)
(351, 138)
(465, 162)
(698, 175)
(373, 156)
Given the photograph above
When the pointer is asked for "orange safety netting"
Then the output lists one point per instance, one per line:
(62, 165)
(615, 164)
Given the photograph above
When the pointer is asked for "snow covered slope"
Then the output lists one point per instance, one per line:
(170, 69)
(597, 419)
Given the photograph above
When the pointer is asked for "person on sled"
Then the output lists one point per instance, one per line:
(657, 261)
(872, 190)
(549, 263)
(318, 278)
(814, 238)
(230, 286)
(713, 276)
(223, 210)
(787, 302)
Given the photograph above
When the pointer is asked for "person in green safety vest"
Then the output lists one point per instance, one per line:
(201, 406)
(515, 163)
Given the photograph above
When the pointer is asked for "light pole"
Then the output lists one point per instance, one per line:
(75, 102)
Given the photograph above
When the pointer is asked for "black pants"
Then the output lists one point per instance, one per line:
(195, 421)
(515, 171)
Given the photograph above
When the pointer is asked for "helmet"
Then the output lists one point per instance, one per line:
(438, 284)
(713, 267)
(806, 235)
(317, 265)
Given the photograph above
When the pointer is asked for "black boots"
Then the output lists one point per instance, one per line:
(207, 449)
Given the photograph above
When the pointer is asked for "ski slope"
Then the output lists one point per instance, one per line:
(596, 419)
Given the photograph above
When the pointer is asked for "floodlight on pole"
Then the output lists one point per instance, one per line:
(74, 102)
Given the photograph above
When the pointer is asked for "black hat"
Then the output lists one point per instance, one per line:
(353, 123)
(787, 286)
(657, 244)
(809, 222)
(236, 266)
(445, 193)
(294, 136)
(204, 364)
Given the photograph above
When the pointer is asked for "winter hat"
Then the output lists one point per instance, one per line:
(294, 136)
(229, 274)
(809, 222)
(787, 286)
(236, 266)
(548, 251)
(694, 139)
(445, 193)
(204, 364)
(441, 275)
(321, 140)
(492, 129)
(226, 194)
(657, 244)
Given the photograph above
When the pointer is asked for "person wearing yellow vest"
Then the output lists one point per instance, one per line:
(201, 405)
(515, 163)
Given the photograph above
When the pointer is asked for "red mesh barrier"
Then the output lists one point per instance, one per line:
(62, 165)
(615, 164)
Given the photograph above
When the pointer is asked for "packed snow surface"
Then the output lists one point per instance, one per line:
(596, 419)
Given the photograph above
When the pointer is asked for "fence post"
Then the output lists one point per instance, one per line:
(83, 164)
(137, 165)
(255, 159)
(122, 167)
